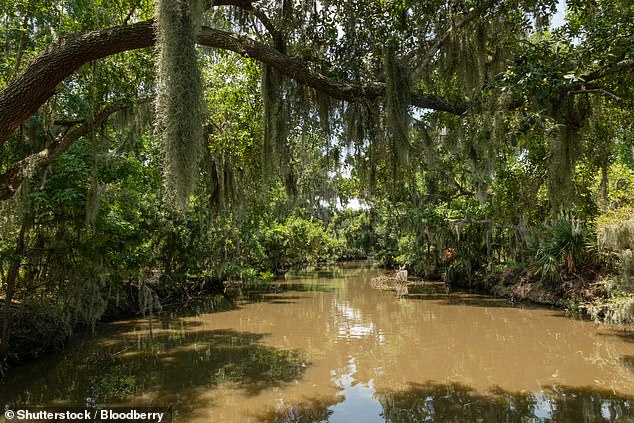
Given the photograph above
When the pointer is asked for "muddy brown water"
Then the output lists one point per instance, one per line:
(325, 346)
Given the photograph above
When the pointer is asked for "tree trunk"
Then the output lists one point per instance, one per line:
(11, 282)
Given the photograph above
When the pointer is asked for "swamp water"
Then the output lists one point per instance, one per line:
(325, 346)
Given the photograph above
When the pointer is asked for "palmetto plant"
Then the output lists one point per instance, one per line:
(563, 247)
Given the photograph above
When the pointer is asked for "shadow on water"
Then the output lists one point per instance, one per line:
(463, 300)
(459, 403)
(276, 293)
(628, 361)
(305, 287)
(273, 298)
(625, 335)
(474, 300)
(173, 365)
(314, 279)
(470, 301)
(194, 306)
(177, 364)
(320, 274)
(333, 271)
(439, 291)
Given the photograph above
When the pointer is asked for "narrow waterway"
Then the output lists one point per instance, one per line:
(325, 346)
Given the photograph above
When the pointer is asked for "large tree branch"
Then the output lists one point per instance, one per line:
(278, 38)
(623, 65)
(600, 91)
(11, 180)
(587, 82)
(341, 90)
(37, 82)
(242, 4)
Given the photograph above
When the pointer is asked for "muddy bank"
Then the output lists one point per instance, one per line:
(520, 284)
(577, 293)
(584, 294)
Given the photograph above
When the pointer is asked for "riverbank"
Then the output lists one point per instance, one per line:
(585, 294)
(38, 330)
(520, 284)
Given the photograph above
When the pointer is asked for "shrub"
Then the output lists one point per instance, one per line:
(564, 245)
(297, 241)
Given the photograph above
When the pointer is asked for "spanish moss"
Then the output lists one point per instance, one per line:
(397, 109)
(276, 153)
(179, 103)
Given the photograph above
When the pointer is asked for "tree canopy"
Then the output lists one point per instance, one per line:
(389, 60)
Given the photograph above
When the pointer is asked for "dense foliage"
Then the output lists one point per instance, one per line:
(472, 135)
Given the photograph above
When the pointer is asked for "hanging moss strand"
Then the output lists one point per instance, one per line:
(180, 101)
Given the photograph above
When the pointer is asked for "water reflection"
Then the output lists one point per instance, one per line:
(351, 324)
(458, 403)
(357, 398)
(325, 346)
(171, 367)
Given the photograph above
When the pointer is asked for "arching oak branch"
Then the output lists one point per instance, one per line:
(38, 81)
